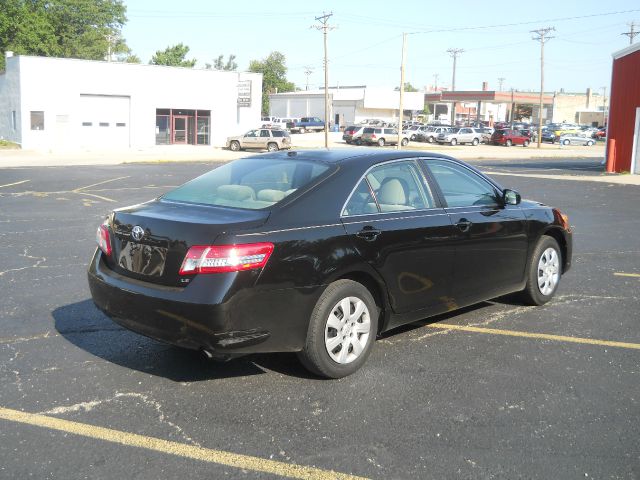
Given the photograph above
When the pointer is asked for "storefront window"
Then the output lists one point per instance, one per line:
(37, 120)
(178, 126)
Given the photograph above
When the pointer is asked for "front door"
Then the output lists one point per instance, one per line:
(180, 129)
(491, 238)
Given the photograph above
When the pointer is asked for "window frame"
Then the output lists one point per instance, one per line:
(426, 184)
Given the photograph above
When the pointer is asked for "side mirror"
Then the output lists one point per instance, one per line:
(510, 197)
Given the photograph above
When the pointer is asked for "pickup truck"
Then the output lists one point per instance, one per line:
(306, 124)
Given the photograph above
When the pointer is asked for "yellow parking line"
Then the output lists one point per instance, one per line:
(622, 274)
(220, 457)
(541, 336)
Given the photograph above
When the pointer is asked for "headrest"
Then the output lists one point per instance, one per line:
(270, 195)
(236, 192)
(392, 192)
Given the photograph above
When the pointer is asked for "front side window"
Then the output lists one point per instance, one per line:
(460, 186)
(248, 183)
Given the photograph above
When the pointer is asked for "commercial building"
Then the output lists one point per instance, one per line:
(347, 105)
(623, 133)
(68, 104)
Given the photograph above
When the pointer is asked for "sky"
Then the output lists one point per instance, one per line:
(365, 45)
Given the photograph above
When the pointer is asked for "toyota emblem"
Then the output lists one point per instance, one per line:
(137, 233)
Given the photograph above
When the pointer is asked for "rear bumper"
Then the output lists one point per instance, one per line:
(211, 313)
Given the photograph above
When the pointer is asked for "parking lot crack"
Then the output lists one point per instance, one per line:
(25, 254)
(119, 396)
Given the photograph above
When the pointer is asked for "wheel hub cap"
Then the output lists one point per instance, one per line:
(347, 330)
(548, 271)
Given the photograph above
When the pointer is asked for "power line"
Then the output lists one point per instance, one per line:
(631, 33)
(542, 37)
(325, 27)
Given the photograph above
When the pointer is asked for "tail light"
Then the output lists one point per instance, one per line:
(225, 258)
(103, 239)
(373, 135)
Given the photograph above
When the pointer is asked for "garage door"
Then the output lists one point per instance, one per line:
(104, 121)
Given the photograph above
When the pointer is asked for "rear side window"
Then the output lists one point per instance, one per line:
(248, 183)
(368, 130)
(279, 133)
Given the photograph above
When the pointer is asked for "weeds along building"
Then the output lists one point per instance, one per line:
(68, 104)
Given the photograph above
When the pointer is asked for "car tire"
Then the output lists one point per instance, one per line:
(404, 142)
(589, 143)
(412, 138)
(358, 142)
(525, 143)
(234, 146)
(381, 142)
(272, 147)
(430, 139)
(475, 142)
(566, 142)
(328, 323)
(547, 253)
(302, 130)
(508, 143)
(454, 142)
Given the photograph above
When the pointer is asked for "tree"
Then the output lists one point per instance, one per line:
(274, 77)
(407, 88)
(173, 56)
(63, 28)
(219, 63)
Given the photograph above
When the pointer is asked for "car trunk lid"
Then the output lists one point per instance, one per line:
(151, 240)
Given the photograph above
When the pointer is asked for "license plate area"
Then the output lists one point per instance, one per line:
(142, 259)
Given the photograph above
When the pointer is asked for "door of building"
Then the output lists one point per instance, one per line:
(180, 126)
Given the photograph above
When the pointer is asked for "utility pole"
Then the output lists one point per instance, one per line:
(631, 33)
(542, 37)
(308, 71)
(435, 82)
(500, 83)
(604, 104)
(325, 27)
(401, 111)
(454, 52)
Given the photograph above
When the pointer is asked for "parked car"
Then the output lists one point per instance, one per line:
(576, 139)
(460, 135)
(432, 133)
(601, 133)
(383, 136)
(263, 138)
(508, 137)
(411, 131)
(353, 134)
(319, 252)
(548, 136)
(374, 122)
(562, 128)
(486, 133)
(306, 124)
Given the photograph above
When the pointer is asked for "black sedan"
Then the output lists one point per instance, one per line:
(318, 252)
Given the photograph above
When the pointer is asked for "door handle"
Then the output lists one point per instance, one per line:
(368, 233)
(464, 225)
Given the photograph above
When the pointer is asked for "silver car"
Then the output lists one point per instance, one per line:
(263, 138)
(576, 139)
(432, 132)
(461, 135)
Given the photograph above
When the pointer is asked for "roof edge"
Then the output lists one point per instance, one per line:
(634, 47)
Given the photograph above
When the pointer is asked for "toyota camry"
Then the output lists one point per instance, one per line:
(319, 252)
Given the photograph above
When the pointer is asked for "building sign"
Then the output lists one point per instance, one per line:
(244, 93)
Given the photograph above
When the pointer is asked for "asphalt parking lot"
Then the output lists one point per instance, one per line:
(497, 390)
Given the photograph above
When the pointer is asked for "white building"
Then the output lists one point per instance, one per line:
(67, 104)
(347, 105)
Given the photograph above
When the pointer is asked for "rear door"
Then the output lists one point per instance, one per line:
(397, 226)
(491, 238)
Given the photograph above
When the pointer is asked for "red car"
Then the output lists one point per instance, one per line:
(509, 137)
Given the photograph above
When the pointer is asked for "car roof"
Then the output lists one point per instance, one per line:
(348, 156)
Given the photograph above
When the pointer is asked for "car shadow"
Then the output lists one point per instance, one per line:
(84, 326)
(587, 166)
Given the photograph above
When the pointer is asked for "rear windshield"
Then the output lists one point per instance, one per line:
(250, 183)
(279, 133)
